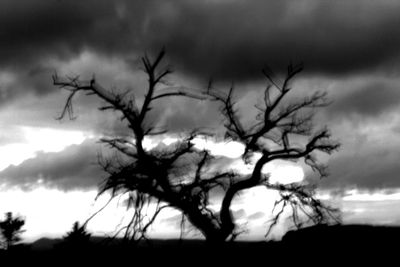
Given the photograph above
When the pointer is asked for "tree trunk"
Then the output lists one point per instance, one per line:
(215, 238)
(209, 227)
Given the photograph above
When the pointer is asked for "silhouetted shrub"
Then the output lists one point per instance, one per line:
(11, 230)
(76, 239)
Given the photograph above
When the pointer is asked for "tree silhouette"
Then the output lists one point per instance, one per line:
(182, 176)
(78, 237)
(11, 229)
(77, 234)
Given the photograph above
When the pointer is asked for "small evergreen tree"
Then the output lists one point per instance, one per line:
(11, 230)
(78, 237)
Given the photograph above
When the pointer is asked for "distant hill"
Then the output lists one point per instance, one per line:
(331, 243)
(344, 239)
(326, 236)
(341, 232)
(45, 243)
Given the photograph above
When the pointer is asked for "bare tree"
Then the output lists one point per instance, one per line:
(11, 229)
(151, 176)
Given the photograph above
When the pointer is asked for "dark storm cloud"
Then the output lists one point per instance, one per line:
(236, 39)
(75, 167)
(229, 39)
(32, 32)
(180, 114)
(373, 169)
(370, 99)
(34, 29)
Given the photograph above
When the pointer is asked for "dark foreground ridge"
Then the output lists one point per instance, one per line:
(336, 243)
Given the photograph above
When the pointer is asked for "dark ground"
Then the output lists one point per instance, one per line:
(318, 245)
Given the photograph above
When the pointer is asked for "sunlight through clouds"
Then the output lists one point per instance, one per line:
(228, 149)
(37, 139)
(280, 171)
(359, 195)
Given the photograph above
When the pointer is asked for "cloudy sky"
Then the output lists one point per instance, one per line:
(350, 49)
